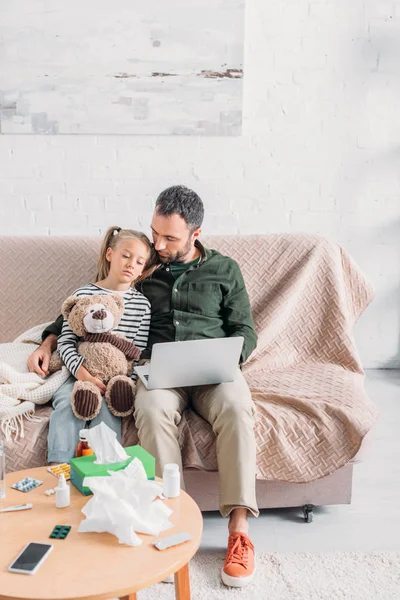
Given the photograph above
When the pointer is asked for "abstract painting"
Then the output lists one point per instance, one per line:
(144, 67)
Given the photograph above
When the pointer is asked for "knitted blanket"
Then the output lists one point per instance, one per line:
(19, 389)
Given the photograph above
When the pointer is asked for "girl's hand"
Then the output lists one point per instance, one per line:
(99, 384)
(83, 374)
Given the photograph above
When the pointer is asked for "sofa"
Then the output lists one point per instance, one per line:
(305, 376)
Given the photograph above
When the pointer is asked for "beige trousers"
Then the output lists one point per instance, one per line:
(229, 409)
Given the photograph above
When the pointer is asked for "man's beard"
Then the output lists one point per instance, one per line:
(178, 257)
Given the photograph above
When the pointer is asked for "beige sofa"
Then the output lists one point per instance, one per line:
(305, 376)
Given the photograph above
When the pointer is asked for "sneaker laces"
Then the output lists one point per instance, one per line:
(238, 551)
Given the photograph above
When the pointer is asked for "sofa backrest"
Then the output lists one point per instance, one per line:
(38, 273)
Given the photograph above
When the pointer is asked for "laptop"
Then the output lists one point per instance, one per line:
(194, 362)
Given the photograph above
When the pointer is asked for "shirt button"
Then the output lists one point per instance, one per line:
(167, 269)
(176, 322)
(175, 289)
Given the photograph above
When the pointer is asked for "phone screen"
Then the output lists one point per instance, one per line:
(30, 557)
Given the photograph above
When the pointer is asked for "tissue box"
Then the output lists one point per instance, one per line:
(84, 467)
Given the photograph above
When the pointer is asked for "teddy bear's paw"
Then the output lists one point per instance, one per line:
(120, 395)
(86, 400)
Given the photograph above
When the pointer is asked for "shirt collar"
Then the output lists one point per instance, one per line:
(204, 253)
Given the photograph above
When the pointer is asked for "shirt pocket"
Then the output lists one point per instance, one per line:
(205, 299)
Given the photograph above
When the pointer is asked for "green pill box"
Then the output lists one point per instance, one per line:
(84, 467)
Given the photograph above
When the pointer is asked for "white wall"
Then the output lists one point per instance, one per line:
(320, 153)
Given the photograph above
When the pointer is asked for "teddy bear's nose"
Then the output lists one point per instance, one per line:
(99, 314)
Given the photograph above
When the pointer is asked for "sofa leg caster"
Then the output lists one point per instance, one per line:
(308, 512)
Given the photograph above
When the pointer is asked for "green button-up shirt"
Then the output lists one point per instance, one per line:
(208, 300)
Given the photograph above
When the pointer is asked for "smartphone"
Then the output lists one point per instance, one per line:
(30, 558)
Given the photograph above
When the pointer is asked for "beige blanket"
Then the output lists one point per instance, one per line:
(20, 390)
(305, 376)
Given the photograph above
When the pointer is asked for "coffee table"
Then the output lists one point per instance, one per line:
(88, 566)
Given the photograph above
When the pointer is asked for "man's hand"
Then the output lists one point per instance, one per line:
(83, 374)
(38, 361)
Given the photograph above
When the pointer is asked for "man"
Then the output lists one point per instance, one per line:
(197, 293)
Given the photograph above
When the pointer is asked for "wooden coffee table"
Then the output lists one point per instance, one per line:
(89, 566)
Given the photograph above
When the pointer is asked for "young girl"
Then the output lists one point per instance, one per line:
(126, 256)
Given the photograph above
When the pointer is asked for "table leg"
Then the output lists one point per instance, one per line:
(182, 583)
(130, 597)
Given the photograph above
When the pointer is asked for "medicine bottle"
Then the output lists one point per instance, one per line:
(82, 447)
(63, 493)
(171, 481)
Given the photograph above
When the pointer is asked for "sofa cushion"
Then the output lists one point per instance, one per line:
(196, 439)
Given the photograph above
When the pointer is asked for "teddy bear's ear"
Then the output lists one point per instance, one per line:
(68, 305)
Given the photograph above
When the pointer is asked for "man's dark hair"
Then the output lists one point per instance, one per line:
(182, 201)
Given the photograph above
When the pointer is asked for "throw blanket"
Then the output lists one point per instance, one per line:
(19, 389)
(305, 376)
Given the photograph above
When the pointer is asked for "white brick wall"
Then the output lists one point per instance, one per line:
(319, 153)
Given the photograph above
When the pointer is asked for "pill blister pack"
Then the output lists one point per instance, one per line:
(58, 469)
(27, 484)
(60, 532)
(172, 540)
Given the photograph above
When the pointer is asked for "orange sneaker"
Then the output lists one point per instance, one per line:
(238, 569)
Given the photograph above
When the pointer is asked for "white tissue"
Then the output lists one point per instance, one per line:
(124, 504)
(105, 445)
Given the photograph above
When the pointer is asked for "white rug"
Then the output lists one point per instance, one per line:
(295, 576)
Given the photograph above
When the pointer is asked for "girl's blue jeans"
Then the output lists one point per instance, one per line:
(64, 426)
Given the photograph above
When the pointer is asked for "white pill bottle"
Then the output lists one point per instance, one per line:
(171, 481)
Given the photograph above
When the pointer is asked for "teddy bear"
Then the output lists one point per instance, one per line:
(107, 356)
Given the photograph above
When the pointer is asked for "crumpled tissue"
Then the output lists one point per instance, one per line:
(103, 441)
(124, 504)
